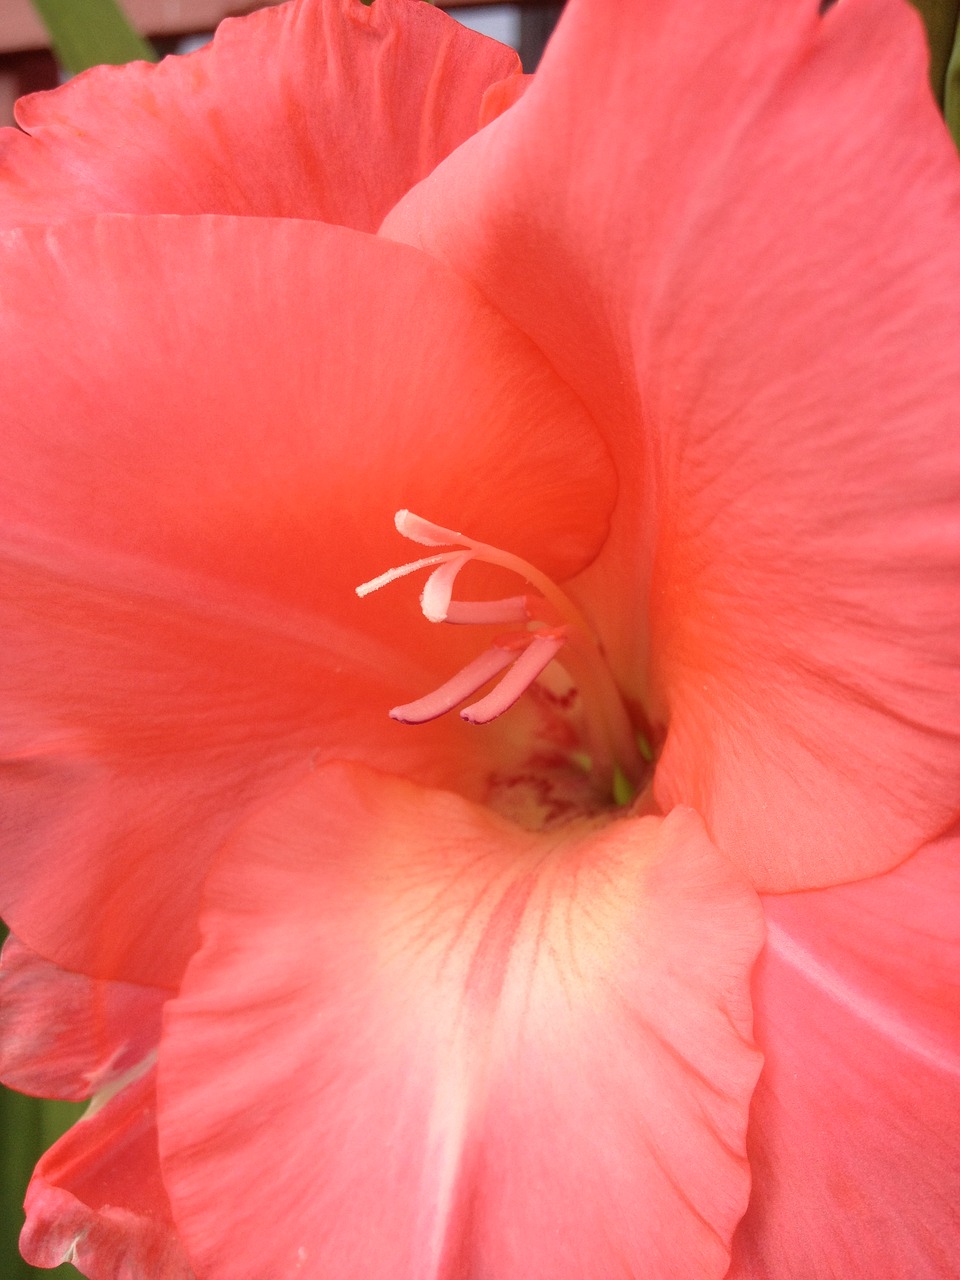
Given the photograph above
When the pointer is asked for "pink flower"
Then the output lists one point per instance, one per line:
(673, 342)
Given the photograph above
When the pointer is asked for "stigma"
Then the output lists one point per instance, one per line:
(546, 625)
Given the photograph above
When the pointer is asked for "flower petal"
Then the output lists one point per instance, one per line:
(326, 109)
(63, 1035)
(190, 496)
(97, 1200)
(501, 96)
(759, 302)
(855, 1126)
(448, 1046)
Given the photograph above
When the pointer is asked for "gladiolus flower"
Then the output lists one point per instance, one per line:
(658, 370)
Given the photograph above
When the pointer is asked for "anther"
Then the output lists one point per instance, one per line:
(541, 650)
(425, 532)
(513, 609)
(438, 588)
(456, 690)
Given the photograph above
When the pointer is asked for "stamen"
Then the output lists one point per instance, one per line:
(514, 609)
(612, 747)
(541, 650)
(438, 588)
(426, 532)
(473, 677)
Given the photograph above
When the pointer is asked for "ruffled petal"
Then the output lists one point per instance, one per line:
(97, 1199)
(326, 109)
(419, 1041)
(758, 300)
(855, 1126)
(191, 494)
(63, 1035)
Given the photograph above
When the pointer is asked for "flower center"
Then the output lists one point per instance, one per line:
(547, 626)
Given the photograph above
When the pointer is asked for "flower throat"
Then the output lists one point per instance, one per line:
(547, 625)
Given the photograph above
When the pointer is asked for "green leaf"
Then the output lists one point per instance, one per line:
(940, 19)
(85, 33)
(29, 1126)
(951, 94)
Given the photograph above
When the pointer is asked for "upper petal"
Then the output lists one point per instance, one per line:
(207, 427)
(758, 298)
(855, 1125)
(422, 1042)
(327, 109)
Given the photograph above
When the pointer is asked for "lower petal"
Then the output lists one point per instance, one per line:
(855, 1126)
(63, 1035)
(419, 1041)
(96, 1198)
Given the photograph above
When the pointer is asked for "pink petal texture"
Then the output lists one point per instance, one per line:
(96, 1198)
(192, 495)
(326, 109)
(855, 1127)
(757, 299)
(63, 1035)
(502, 95)
(449, 1047)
